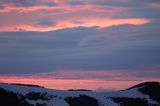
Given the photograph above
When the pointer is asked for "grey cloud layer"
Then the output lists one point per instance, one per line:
(124, 47)
(27, 2)
(134, 8)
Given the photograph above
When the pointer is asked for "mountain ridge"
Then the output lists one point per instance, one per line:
(144, 94)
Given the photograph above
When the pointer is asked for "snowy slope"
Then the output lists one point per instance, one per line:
(22, 95)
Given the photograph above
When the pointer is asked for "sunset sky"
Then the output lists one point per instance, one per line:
(80, 44)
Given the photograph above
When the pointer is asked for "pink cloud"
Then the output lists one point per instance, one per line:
(27, 18)
(70, 23)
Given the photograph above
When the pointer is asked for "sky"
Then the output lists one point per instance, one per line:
(80, 44)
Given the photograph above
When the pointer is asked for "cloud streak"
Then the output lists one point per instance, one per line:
(49, 25)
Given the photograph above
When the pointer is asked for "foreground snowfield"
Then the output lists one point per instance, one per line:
(145, 94)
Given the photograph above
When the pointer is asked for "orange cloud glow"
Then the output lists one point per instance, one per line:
(63, 15)
(71, 23)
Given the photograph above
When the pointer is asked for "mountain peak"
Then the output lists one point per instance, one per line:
(152, 89)
(146, 84)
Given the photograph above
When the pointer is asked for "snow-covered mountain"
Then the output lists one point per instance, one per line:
(144, 94)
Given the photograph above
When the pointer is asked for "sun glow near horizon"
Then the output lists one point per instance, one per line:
(91, 80)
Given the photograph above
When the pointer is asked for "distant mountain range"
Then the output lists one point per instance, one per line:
(144, 94)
